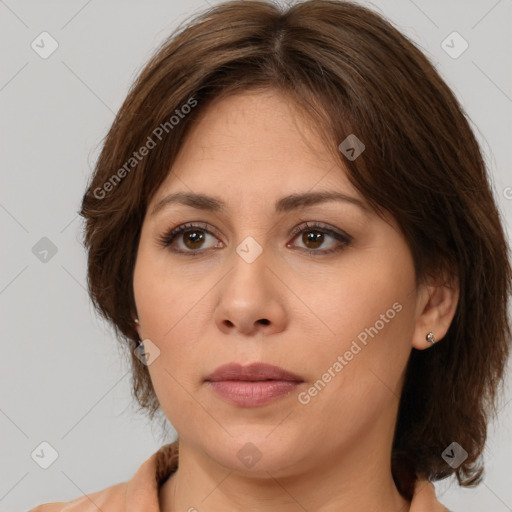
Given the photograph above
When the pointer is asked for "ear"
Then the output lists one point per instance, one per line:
(436, 307)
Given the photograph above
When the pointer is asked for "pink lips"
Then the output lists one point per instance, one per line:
(253, 385)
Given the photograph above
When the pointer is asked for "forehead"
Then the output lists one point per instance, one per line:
(254, 144)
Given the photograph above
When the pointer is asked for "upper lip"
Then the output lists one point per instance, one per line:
(252, 372)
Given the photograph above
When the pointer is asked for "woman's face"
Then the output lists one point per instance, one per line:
(323, 289)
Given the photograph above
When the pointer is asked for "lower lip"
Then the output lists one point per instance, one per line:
(252, 393)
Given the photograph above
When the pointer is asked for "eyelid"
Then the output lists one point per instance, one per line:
(171, 235)
(312, 225)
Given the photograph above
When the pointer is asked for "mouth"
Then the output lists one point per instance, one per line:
(253, 385)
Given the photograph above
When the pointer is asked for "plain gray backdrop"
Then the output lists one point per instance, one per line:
(63, 379)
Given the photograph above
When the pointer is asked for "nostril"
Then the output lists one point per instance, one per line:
(264, 321)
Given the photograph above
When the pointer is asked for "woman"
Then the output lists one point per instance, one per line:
(291, 226)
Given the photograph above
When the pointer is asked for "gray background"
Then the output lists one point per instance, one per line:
(62, 378)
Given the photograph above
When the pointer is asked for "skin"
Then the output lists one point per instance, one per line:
(332, 453)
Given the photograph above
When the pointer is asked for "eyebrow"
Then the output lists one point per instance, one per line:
(284, 205)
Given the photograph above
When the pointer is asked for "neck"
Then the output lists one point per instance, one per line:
(352, 478)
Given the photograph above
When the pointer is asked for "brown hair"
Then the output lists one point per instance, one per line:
(352, 72)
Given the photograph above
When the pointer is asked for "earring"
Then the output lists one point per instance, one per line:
(136, 320)
(431, 338)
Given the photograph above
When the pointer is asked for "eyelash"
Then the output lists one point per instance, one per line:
(167, 238)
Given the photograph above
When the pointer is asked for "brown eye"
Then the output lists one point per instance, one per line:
(189, 239)
(193, 238)
(313, 237)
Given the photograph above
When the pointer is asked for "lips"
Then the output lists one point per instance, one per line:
(254, 385)
(252, 372)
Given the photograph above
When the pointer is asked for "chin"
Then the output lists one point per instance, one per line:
(254, 452)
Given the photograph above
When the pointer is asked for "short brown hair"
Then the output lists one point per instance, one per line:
(352, 72)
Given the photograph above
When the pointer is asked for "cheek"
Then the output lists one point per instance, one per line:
(370, 313)
(358, 378)
(165, 298)
(172, 315)
(369, 296)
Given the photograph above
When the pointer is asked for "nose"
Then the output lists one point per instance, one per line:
(251, 299)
